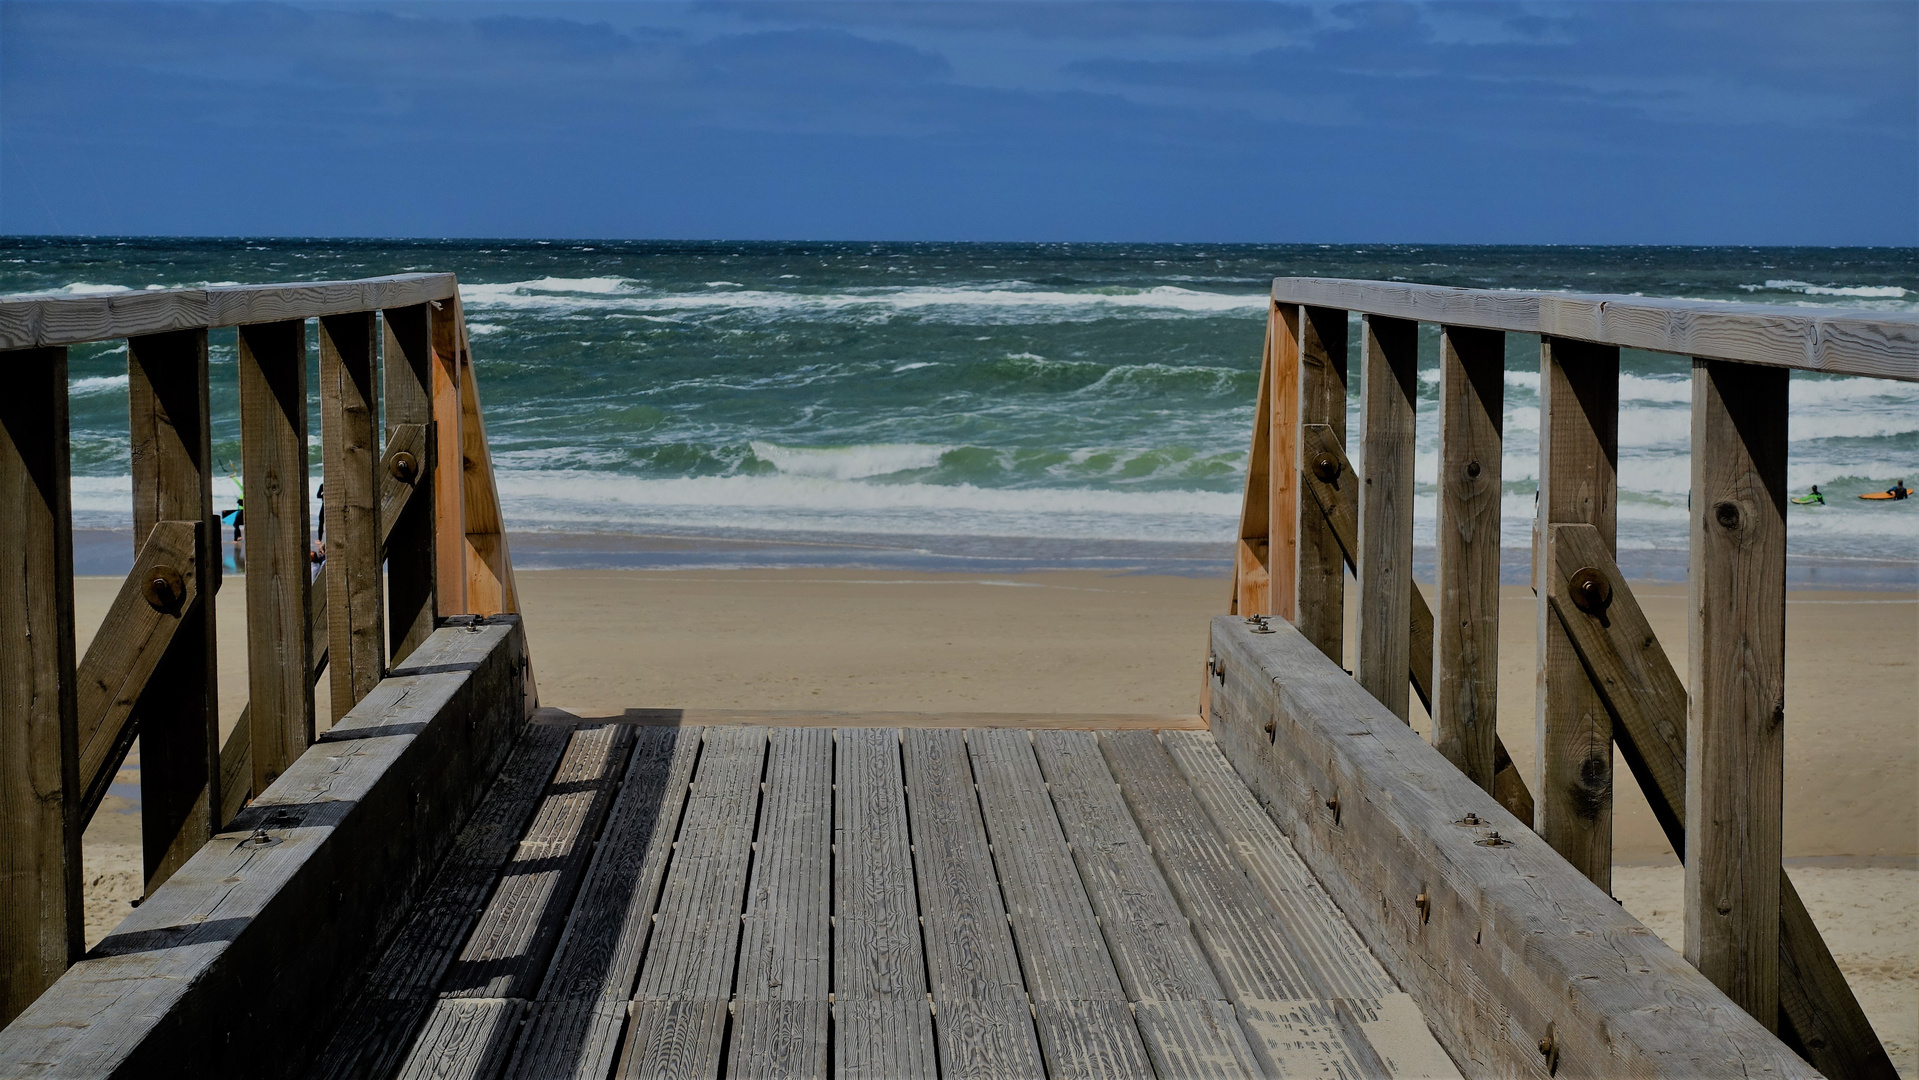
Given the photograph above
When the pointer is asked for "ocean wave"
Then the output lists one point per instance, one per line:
(848, 462)
(1876, 292)
(96, 384)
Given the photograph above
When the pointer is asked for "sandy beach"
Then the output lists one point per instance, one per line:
(1082, 641)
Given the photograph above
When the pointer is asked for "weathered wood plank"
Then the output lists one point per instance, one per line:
(784, 986)
(39, 754)
(980, 1013)
(882, 1026)
(1320, 612)
(1252, 587)
(1833, 340)
(448, 462)
(350, 452)
(465, 1038)
(273, 455)
(1510, 939)
(832, 719)
(1578, 482)
(1282, 469)
(1465, 696)
(408, 365)
(170, 437)
(399, 476)
(236, 754)
(1736, 669)
(1291, 1030)
(1388, 401)
(1085, 1029)
(28, 321)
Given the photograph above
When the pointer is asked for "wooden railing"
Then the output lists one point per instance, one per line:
(1711, 764)
(415, 498)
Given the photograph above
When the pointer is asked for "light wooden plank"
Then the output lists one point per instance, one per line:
(851, 719)
(882, 1026)
(1578, 482)
(40, 921)
(273, 456)
(1282, 471)
(448, 461)
(783, 990)
(28, 321)
(464, 1039)
(1836, 340)
(569, 1039)
(981, 1015)
(1736, 669)
(1291, 1029)
(408, 375)
(1085, 1029)
(1252, 591)
(350, 452)
(1465, 697)
(170, 438)
(1388, 401)
(1188, 1027)
(1510, 940)
(1321, 576)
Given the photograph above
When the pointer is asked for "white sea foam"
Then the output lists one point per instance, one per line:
(480, 329)
(96, 384)
(848, 462)
(1877, 292)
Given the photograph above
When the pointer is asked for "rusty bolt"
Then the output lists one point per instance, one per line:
(1326, 467)
(1471, 819)
(1425, 905)
(404, 468)
(165, 588)
(1590, 590)
(1493, 839)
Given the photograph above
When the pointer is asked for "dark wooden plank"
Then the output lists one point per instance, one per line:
(407, 366)
(179, 714)
(1736, 669)
(273, 456)
(1085, 1029)
(882, 1026)
(39, 752)
(1835, 340)
(236, 753)
(1252, 594)
(1511, 939)
(980, 1011)
(1282, 469)
(1465, 697)
(1320, 612)
(399, 475)
(350, 451)
(1388, 401)
(1818, 1015)
(783, 992)
(1186, 1022)
(464, 1038)
(1578, 482)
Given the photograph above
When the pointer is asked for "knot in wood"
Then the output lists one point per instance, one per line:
(1472, 470)
(1727, 514)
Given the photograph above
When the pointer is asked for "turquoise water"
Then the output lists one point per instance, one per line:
(973, 405)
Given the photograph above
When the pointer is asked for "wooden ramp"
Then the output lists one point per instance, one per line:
(740, 900)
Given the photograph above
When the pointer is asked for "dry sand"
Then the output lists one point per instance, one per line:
(1090, 642)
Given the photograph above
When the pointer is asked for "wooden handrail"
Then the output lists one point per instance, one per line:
(1831, 340)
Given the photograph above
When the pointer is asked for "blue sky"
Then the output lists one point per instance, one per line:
(1596, 122)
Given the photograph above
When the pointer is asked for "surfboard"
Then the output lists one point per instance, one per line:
(1808, 500)
(1876, 495)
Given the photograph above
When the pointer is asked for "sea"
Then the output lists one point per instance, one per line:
(980, 407)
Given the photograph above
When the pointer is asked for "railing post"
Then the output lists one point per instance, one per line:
(1252, 580)
(1389, 363)
(1472, 397)
(350, 451)
(449, 485)
(410, 545)
(273, 453)
(40, 920)
(1283, 499)
(179, 711)
(1736, 668)
(1578, 483)
(1320, 582)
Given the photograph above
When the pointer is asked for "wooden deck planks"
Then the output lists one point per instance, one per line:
(981, 1016)
(1079, 1005)
(680, 1008)
(883, 1027)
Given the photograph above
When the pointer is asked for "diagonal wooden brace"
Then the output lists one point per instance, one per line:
(161, 591)
(1819, 1016)
(1338, 502)
(398, 479)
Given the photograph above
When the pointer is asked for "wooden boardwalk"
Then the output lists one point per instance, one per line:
(640, 901)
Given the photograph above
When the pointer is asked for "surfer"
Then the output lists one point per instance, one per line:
(1898, 490)
(1811, 498)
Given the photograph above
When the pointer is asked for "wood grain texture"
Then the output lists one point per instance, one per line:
(28, 321)
(1388, 400)
(1465, 697)
(1282, 468)
(1833, 340)
(881, 1022)
(1818, 1015)
(40, 824)
(350, 454)
(1252, 587)
(1513, 939)
(464, 1039)
(848, 719)
(1736, 670)
(236, 754)
(1321, 576)
(448, 461)
(273, 456)
(407, 367)
(1578, 483)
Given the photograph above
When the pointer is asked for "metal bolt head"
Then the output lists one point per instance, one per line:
(164, 587)
(404, 468)
(1326, 467)
(1591, 591)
